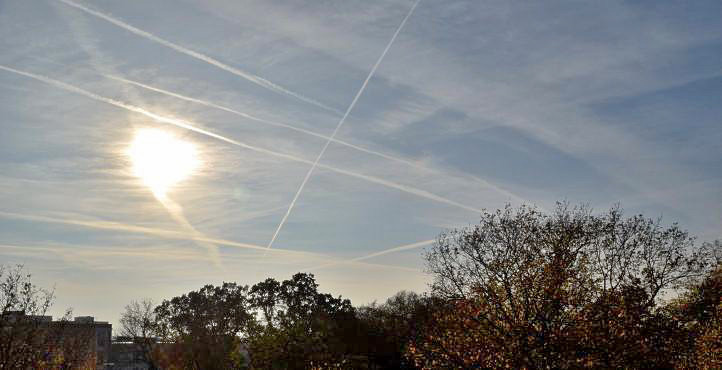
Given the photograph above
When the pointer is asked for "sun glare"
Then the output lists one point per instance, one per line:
(161, 160)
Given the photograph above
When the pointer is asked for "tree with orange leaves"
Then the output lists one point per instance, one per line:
(698, 313)
(567, 289)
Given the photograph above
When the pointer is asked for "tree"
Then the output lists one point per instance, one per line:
(304, 328)
(698, 314)
(528, 289)
(28, 338)
(206, 327)
(68, 345)
(391, 326)
(265, 296)
(22, 336)
(457, 339)
(139, 323)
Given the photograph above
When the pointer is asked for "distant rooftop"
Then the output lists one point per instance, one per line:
(15, 315)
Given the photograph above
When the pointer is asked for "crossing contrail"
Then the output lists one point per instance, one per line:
(309, 132)
(176, 235)
(116, 226)
(265, 121)
(340, 123)
(192, 127)
(376, 254)
(298, 129)
(260, 81)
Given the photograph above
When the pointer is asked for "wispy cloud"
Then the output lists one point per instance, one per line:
(260, 81)
(75, 252)
(532, 81)
(176, 212)
(170, 234)
(340, 123)
(193, 127)
(268, 122)
(109, 225)
(408, 162)
(475, 105)
(396, 249)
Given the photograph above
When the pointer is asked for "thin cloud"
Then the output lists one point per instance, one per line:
(260, 81)
(176, 212)
(340, 123)
(376, 254)
(176, 235)
(192, 127)
(265, 121)
(298, 129)
(404, 188)
(116, 226)
(120, 104)
(104, 251)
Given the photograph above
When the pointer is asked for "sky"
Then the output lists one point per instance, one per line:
(335, 137)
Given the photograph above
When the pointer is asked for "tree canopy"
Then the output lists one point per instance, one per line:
(27, 340)
(522, 289)
(567, 289)
(304, 327)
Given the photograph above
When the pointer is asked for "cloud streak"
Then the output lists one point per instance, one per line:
(176, 235)
(176, 212)
(260, 81)
(265, 121)
(63, 251)
(116, 226)
(192, 127)
(400, 248)
(308, 132)
(340, 123)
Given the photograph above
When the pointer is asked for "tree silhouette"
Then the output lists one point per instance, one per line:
(567, 289)
(698, 313)
(28, 339)
(23, 340)
(391, 326)
(139, 324)
(305, 328)
(206, 328)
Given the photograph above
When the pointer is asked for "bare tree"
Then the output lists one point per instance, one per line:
(22, 340)
(535, 282)
(511, 247)
(29, 338)
(139, 323)
(138, 320)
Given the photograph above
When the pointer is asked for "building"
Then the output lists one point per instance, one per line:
(127, 354)
(99, 333)
(82, 342)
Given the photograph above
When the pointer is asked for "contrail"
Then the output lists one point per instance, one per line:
(376, 254)
(176, 212)
(108, 252)
(401, 187)
(192, 127)
(312, 133)
(260, 81)
(298, 129)
(340, 123)
(264, 121)
(120, 104)
(168, 234)
(175, 235)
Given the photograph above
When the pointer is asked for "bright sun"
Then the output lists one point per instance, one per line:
(161, 160)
